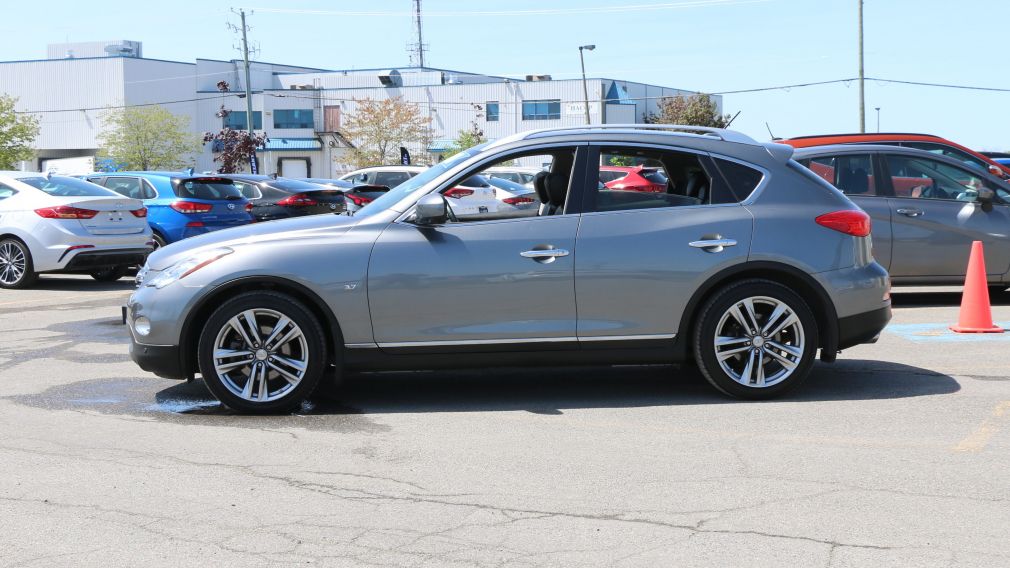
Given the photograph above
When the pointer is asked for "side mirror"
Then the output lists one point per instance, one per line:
(431, 210)
(996, 171)
(986, 197)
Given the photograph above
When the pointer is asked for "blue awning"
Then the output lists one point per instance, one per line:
(617, 94)
(278, 144)
(441, 146)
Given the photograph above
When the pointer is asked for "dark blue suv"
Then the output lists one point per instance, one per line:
(179, 204)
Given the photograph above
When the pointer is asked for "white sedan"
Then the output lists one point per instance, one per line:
(62, 224)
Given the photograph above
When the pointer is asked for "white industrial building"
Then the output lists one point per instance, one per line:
(299, 108)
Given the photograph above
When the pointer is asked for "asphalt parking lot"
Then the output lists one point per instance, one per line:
(897, 455)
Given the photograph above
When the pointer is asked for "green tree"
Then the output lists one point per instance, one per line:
(693, 110)
(468, 138)
(17, 134)
(378, 129)
(147, 138)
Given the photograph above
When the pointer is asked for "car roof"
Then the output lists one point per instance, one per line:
(388, 169)
(813, 151)
(19, 174)
(867, 135)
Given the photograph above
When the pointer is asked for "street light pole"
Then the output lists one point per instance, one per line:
(862, 100)
(878, 118)
(585, 88)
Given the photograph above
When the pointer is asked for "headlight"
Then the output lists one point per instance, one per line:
(141, 275)
(187, 266)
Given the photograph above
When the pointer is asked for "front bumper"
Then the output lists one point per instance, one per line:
(862, 328)
(162, 360)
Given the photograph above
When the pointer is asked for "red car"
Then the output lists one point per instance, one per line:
(926, 142)
(633, 178)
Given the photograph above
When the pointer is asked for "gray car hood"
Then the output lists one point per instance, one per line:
(295, 229)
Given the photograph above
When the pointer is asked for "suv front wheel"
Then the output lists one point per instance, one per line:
(262, 352)
(755, 339)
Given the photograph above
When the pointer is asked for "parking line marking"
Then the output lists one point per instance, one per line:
(41, 300)
(978, 439)
(940, 332)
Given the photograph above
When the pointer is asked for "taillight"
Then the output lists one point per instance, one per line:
(141, 213)
(65, 212)
(518, 200)
(190, 207)
(855, 223)
(248, 207)
(458, 193)
(358, 200)
(297, 200)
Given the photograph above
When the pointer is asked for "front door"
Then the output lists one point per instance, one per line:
(936, 217)
(489, 283)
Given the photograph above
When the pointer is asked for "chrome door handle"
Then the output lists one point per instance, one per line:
(910, 212)
(713, 245)
(545, 253)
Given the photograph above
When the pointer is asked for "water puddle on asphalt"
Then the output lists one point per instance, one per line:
(190, 403)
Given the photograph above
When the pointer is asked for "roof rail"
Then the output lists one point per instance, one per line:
(720, 133)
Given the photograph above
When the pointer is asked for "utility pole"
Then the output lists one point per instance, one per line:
(862, 100)
(417, 49)
(585, 88)
(253, 165)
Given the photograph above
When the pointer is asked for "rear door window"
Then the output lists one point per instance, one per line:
(390, 179)
(207, 188)
(131, 187)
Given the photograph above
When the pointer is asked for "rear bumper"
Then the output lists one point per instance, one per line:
(862, 328)
(90, 260)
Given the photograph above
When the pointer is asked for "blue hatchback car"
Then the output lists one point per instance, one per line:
(179, 204)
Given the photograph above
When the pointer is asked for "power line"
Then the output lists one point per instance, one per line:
(683, 4)
(115, 107)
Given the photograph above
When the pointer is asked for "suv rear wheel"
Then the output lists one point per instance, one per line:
(756, 339)
(262, 352)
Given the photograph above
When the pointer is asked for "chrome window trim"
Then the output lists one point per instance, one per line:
(466, 342)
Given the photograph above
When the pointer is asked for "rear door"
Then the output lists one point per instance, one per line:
(936, 217)
(855, 175)
(640, 256)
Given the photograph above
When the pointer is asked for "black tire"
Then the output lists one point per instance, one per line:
(110, 273)
(997, 290)
(224, 387)
(16, 256)
(717, 309)
(159, 241)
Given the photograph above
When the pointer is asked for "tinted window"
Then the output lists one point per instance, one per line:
(208, 188)
(67, 187)
(492, 112)
(542, 110)
(851, 173)
(293, 118)
(6, 192)
(390, 179)
(924, 178)
(249, 190)
(131, 187)
(476, 181)
(945, 150)
(673, 179)
(742, 180)
(236, 120)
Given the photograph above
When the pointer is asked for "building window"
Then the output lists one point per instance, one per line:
(492, 111)
(236, 120)
(293, 118)
(542, 110)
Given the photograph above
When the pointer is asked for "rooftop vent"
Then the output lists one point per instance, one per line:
(538, 77)
(390, 78)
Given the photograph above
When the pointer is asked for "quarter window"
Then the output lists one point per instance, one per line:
(293, 118)
(542, 110)
(131, 187)
(6, 192)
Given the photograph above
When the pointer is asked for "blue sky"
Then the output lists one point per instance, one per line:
(709, 45)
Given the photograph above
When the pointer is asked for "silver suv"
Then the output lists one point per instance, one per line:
(744, 262)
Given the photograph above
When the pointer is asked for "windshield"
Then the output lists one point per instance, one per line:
(68, 187)
(416, 182)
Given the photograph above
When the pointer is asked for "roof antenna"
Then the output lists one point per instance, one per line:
(50, 172)
(273, 175)
(189, 171)
(770, 132)
(732, 119)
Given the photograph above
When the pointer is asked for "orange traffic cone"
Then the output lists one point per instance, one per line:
(976, 314)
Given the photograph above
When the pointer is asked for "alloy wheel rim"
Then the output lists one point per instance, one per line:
(759, 341)
(12, 263)
(260, 355)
